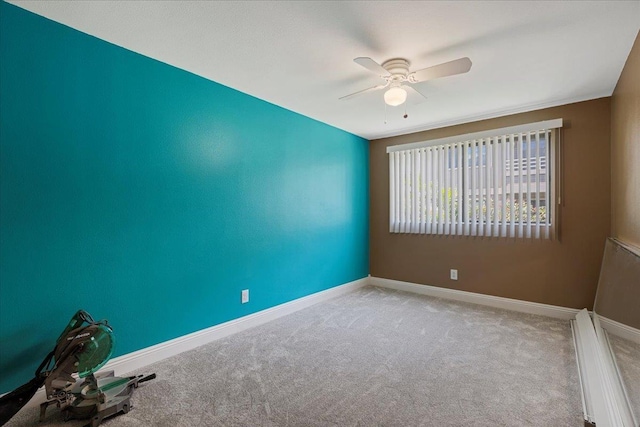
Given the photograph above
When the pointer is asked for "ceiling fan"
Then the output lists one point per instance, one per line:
(398, 79)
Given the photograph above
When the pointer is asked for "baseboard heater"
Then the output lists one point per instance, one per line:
(604, 398)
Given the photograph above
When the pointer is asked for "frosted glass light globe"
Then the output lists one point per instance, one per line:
(395, 96)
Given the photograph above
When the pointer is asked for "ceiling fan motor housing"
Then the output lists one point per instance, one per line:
(398, 68)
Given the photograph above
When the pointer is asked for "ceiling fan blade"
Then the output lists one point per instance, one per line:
(450, 68)
(416, 99)
(371, 65)
(360, 92)
(414, 89)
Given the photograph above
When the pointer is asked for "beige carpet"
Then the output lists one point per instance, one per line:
(374, 357)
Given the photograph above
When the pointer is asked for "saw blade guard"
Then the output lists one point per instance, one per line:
(96, 352)
(84, 347)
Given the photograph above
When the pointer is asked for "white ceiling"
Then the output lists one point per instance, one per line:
(298, 55)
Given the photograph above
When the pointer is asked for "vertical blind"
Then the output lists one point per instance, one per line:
(494, 184)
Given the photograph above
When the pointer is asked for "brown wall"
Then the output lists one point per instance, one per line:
(619, 288)
(625, 151)
(563, 273)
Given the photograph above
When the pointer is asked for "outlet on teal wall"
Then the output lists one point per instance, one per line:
(151, 197)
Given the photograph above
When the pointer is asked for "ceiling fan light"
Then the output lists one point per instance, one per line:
(395, 96)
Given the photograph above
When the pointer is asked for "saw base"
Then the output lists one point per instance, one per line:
(96, 397)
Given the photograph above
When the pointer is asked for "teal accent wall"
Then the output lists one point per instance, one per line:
(151, 197)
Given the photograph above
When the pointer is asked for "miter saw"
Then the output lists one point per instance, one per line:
(83, 347)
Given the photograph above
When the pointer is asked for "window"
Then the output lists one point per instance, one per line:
(498, 183)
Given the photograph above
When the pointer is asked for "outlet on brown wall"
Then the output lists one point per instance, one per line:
(562, 272)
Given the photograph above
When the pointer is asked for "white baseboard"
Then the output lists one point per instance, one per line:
(136, 360)
(474, 298)
(141, 358)
(620, 329)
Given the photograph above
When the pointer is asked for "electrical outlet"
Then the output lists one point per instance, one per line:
(245, 296)
(454, 274)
